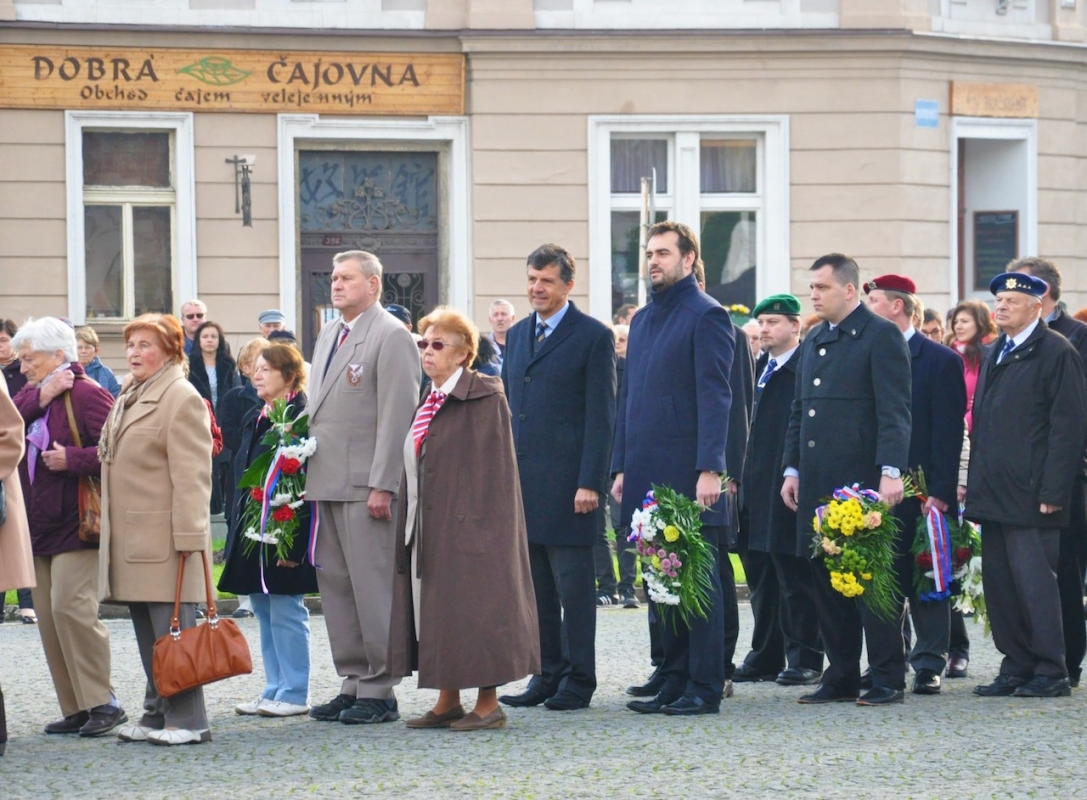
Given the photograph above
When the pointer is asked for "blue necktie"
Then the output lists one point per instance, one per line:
(1009, 345)
(541, 334)
(771, 366)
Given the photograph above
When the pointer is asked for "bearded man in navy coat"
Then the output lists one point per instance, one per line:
(559, 376)
(672, 429)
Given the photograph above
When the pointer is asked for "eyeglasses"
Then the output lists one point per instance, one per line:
(437, 345)
(194, 316)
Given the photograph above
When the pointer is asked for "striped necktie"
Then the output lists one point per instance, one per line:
(344, 333)
(771, 366)
(1009, 345)
(541, 334)
(422, 420)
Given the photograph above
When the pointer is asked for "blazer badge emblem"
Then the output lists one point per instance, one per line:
(354, 374)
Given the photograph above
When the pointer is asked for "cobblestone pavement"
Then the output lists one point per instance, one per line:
(762, 744)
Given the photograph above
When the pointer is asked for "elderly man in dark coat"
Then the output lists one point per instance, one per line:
(782, 597)
(1073, 547)
(850, 423)
(937, 408)
(1030, 423)
(672, 429)
(559, 374)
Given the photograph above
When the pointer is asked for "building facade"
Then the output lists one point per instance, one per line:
(157, 150)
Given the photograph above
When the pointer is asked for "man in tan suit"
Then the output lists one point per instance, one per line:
(364, 389)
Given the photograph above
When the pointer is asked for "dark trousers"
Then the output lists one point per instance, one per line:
(844, 624)
(1021, 595)
(565, 585)
(1073, 559)
(959, 641)
(25, 599)
(767, 654)
(624, 553)
(694, 656)
(931, 620)
(799, 614)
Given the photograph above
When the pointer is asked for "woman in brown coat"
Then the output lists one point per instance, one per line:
(464, 612)
(156, 486)
(16, 558)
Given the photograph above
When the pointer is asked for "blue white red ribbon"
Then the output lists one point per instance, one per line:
(314, 526)
(939, 539)
(855, 492)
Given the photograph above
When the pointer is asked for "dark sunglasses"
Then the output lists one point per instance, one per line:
(194, 316)
(437, 345)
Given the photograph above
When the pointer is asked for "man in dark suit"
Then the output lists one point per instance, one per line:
(1073, 546)
(937, 407)
(778, 571)
(850, 423)
(559, 375)
(1026, 444)
(671, 429)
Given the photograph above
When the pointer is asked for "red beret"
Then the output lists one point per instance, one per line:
(894, 283)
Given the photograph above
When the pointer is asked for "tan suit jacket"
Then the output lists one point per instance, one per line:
(156, 496)
(16, 557)
(361, 408)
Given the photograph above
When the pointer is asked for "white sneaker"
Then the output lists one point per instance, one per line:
(277, 708)
(134, 733)
(172, 736)
(251, 708)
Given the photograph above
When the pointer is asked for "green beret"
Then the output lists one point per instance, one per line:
(778, 304)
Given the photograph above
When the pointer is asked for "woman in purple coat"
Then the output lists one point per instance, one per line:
(76, 643)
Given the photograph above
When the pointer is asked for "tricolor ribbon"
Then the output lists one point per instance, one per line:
(266, 495)
(939, 540)
(314, 526)
(855, 492)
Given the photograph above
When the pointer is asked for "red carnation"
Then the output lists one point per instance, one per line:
(291, 466)
(256, 494)
(924, 560)
(283, 514)
(962, 555)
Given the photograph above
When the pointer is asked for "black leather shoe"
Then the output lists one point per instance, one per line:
(1003, 686)
(370, 711)
(881, 696)
(566, 701)
(690, 705)
(651, 688)
(330, 711)
(651, 706)
(827, 694)
(957, 668)
(926, 682)
(1041, 686)
(527, 698)
(866, 679)
(103, 720)
(70, 724)
(745, 673)
(799, 676)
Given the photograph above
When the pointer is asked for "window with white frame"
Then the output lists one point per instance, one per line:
(727, 178)
(130, 214)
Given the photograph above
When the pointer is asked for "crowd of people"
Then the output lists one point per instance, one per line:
(458, 499)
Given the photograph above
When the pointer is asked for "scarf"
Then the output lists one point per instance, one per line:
(37, 434)
(107, 442)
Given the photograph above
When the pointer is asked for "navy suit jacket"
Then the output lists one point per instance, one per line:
(562, 404)
(674, 407)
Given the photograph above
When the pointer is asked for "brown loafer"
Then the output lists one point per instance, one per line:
(473, 722)
(432, 720)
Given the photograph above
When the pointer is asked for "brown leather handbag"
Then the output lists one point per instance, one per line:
(90, 489)
(185, 659)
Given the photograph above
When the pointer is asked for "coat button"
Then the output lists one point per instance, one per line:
(811, 412)
(811, 442)
(528, 379)
(822, 351)
(817, 381)
(521, 455)
(521, 417)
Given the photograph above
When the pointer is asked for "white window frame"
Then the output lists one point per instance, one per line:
(183, 217)
(684, 194)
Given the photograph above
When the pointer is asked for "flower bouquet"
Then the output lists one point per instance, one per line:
(854, 534)
(678, 561)
(276, 483)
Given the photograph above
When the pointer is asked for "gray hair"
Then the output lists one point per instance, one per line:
(369, 264)
(500, 302)
(198, 303)
(46, 335)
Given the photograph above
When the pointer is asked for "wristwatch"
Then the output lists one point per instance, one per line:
(892, 472)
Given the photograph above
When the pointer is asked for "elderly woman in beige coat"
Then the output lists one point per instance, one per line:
(16, 558)
(156, 487)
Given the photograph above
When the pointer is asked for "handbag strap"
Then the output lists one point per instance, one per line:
(71, 419)
(213, 612)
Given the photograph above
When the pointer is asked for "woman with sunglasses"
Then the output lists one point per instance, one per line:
(464, 614)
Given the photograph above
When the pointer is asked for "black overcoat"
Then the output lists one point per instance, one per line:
(772, 525)
(1030, 424)
(851, 411)
(562, 402)
(741, 381)
(1075, 332)
(241, 572)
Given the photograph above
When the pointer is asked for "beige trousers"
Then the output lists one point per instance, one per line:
(75, 641)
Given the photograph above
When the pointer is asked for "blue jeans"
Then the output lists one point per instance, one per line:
(284, 644)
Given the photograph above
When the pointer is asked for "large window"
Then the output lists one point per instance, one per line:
(130, 215)
(727, 178)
